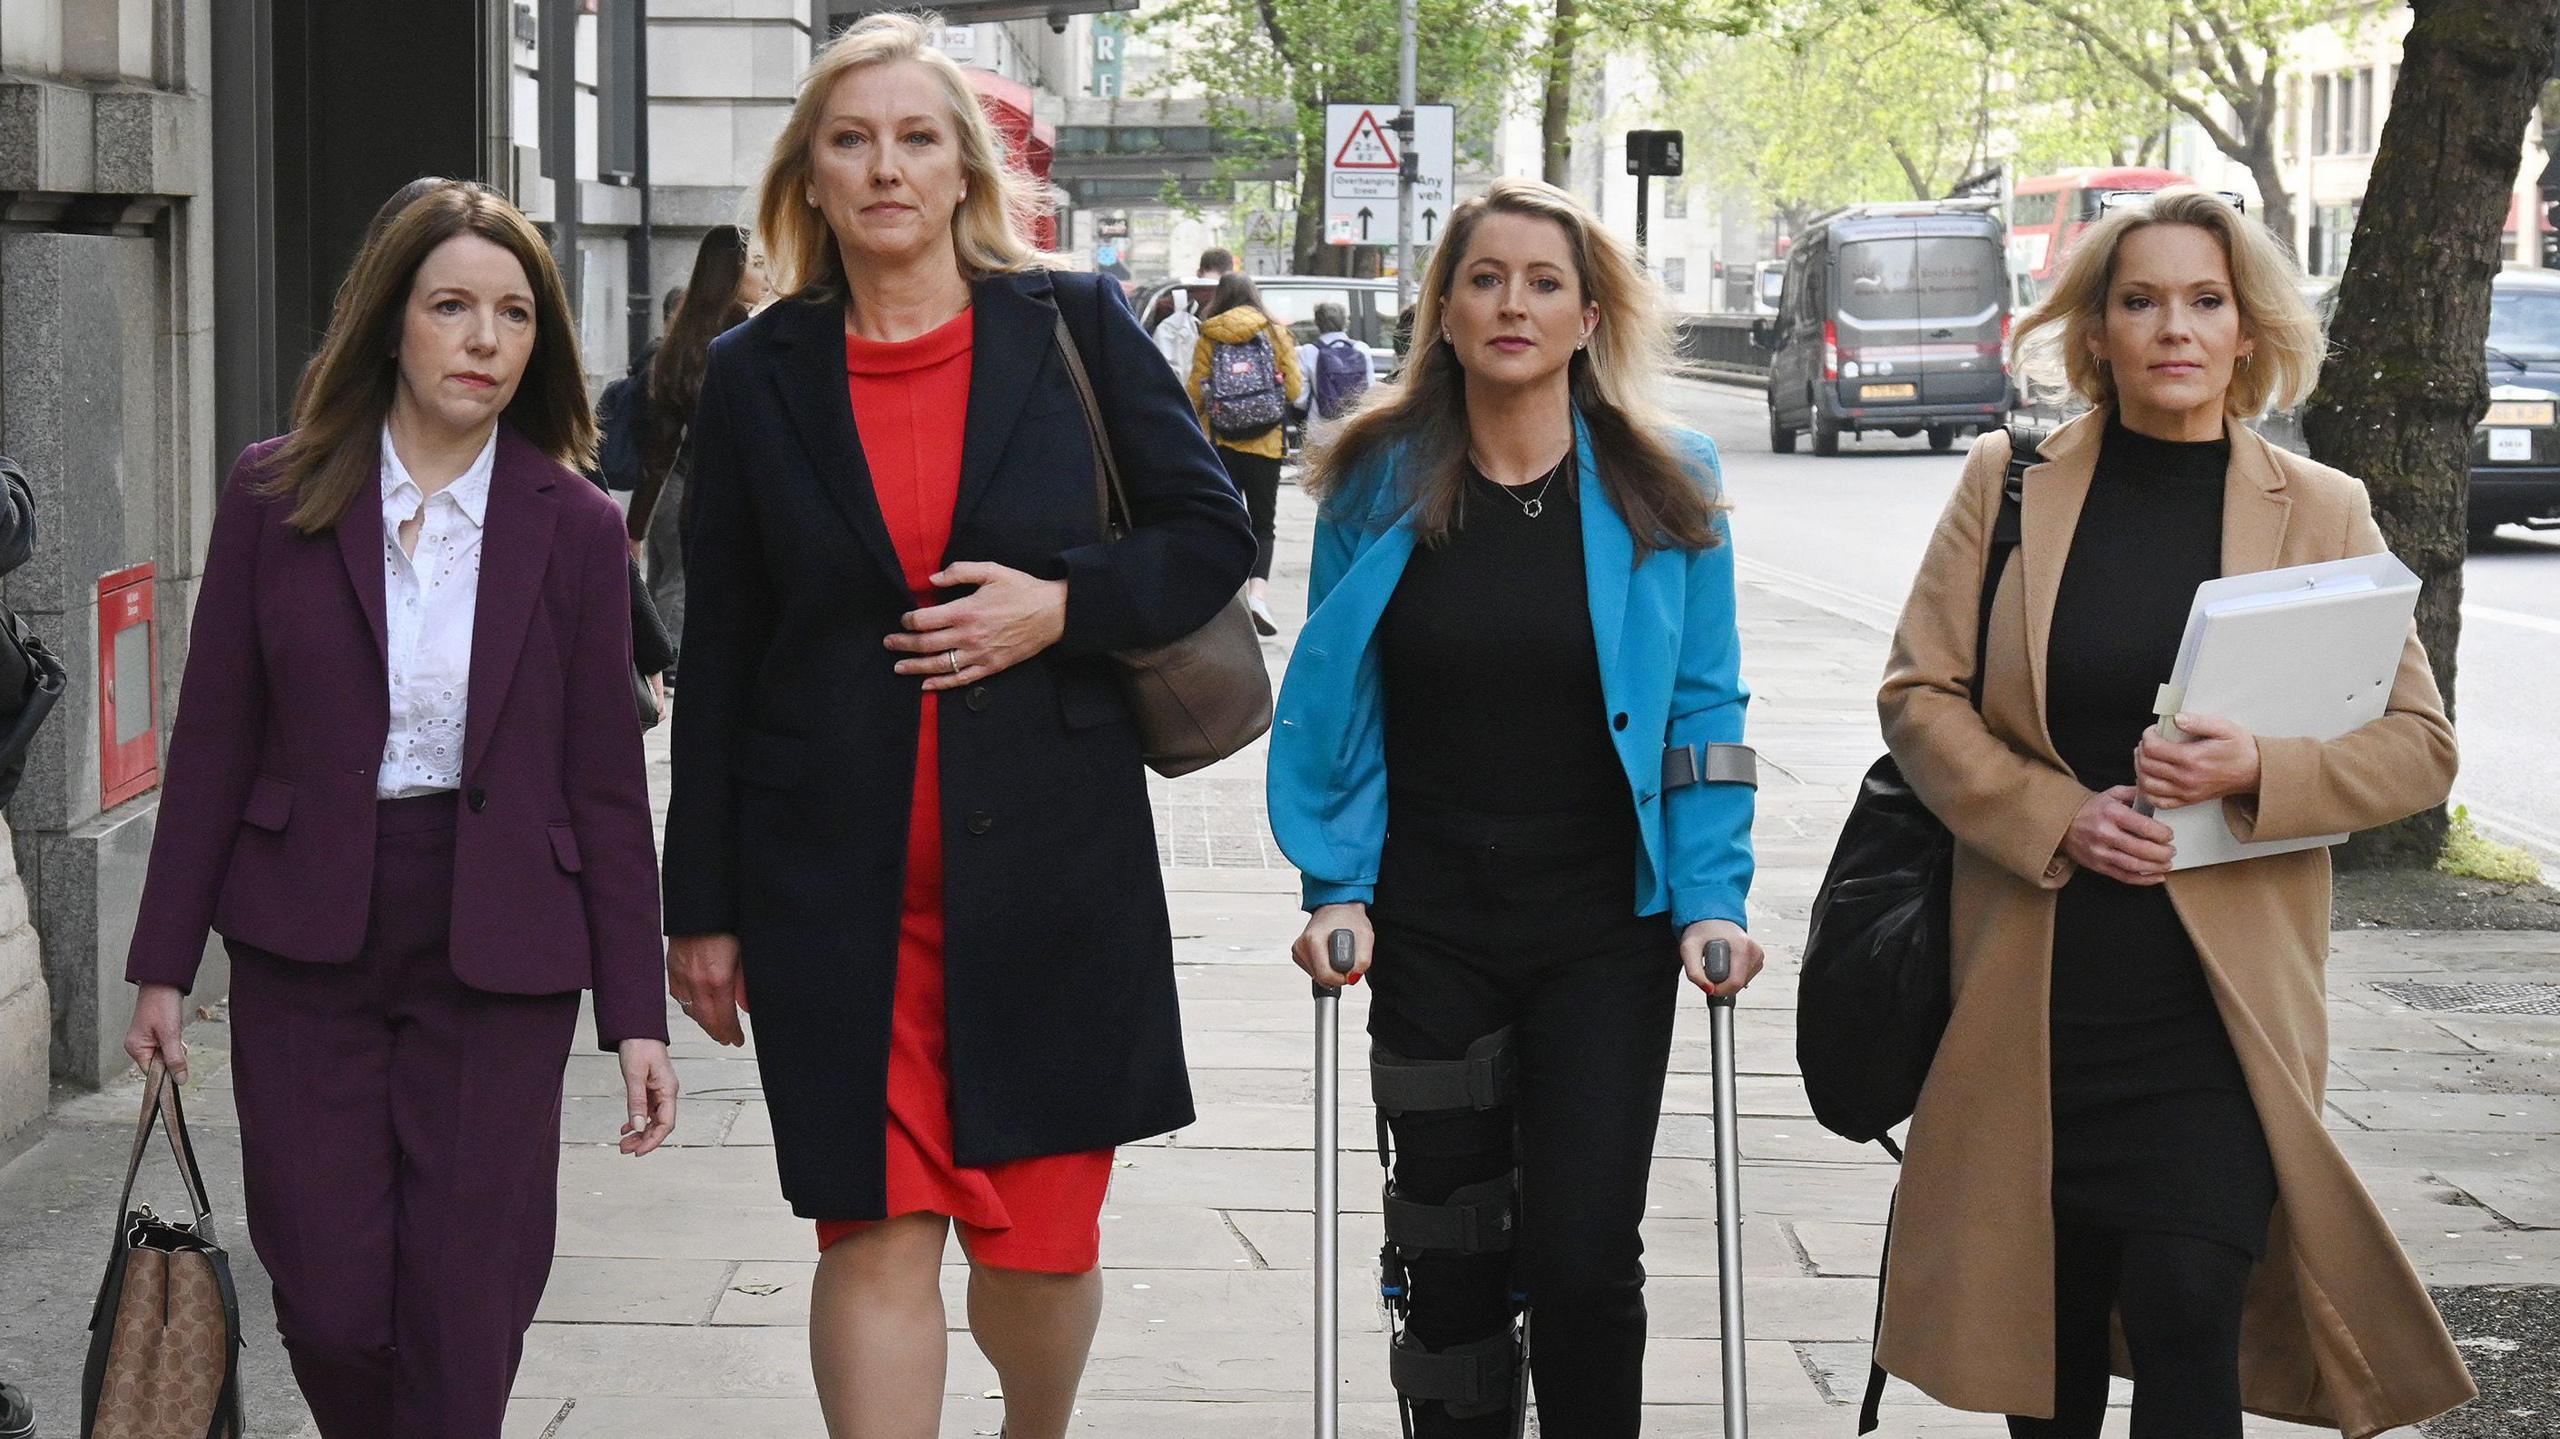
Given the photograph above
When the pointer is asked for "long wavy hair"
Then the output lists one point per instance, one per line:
(710, 308)
(989, 230)
(1424, 415)
(335, 451)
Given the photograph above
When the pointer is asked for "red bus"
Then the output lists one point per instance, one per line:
(2048, 212)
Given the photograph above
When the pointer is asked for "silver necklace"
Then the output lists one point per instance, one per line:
(1536, 504)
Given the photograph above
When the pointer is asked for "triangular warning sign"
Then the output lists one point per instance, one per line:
(1367, 146)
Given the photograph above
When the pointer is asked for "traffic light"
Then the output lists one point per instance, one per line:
(1653, 152)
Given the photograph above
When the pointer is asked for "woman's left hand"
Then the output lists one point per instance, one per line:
(2216, 758)
(1011, 617)
(649, 1095)
(1747, 957)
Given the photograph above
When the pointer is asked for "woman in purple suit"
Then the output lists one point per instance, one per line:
(406, 787)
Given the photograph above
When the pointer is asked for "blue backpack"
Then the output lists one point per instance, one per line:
(622, 417)
(1342, 372)
(1244, 392)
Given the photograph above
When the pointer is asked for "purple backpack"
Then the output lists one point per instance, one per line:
(1342, 372)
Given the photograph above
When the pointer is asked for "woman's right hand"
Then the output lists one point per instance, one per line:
(2110, 836)
(702, 974)
(159, 1016)
(1311, 950)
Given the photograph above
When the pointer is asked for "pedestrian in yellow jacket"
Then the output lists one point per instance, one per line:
(1231, 404)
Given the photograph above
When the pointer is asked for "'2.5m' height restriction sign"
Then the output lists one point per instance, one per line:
(1362, 158)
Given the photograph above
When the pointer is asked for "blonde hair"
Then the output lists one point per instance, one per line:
(2265, 285)
(989, 230)
(1643, 472)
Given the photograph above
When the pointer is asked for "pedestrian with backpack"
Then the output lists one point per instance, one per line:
(1338, 371)
(1244, 376)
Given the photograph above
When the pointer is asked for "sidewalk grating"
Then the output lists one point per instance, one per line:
(2476, 998)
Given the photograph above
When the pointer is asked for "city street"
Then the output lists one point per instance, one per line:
(677, 1303)
(1852, 527)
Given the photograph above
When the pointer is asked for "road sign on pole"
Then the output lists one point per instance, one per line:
(1363, 165)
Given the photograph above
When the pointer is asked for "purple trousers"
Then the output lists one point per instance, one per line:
(401, 1139)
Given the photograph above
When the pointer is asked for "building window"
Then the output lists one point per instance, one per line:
(1675, 273)
(2321, 89)
(1675, 200)
(2333, 230)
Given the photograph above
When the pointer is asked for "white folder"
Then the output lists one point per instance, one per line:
(2308, 651)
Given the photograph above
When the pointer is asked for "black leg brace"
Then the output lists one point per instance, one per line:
(1446, 1113)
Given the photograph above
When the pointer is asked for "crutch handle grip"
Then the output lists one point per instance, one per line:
(1342, 950)
(1719, 960)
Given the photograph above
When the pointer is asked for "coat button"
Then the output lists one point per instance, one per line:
(478, 799)
(978, 698)
(980, 821)
(1618, 720)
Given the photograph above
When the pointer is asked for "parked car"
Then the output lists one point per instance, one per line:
(1892, 317)
(2515, 453)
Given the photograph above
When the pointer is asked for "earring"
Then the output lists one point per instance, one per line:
(2245, 359)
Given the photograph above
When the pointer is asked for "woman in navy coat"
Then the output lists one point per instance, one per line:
(909, 825)
(1508, 756)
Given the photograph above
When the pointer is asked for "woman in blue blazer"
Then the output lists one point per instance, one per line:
(1522, 648)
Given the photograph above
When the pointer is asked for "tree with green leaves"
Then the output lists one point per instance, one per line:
(1315, 51)
(2216, 63)
(2406, 383)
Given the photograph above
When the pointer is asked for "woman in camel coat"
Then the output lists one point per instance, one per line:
(2329, 1322)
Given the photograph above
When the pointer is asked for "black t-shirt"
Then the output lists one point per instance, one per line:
(1492, 677)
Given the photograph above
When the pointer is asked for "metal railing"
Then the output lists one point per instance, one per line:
(1719, 347)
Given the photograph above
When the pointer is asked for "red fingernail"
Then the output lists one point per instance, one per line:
(1355, 979)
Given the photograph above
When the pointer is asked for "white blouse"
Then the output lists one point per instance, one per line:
(430, 597)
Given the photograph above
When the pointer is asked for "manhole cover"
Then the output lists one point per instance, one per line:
(2477, 998)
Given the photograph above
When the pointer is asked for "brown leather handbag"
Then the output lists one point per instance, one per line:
(164, 1338)
(1204, 696)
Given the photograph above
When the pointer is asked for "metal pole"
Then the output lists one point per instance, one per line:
(644, 303)
(1644, 212)
(1411, 168)
(1339, 947)
(1736, 1393)
(559, 129)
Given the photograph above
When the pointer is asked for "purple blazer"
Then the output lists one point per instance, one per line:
(266, 829)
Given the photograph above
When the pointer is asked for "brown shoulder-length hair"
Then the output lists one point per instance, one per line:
(1641, 468)
(335, 451)
(709, 310)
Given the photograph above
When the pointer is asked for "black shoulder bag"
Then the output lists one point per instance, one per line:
(31, 679)
(1875, 990)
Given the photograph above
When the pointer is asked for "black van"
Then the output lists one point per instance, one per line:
(1894, 317)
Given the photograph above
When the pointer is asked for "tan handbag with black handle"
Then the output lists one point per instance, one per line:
(1204, 696)
(164, 1338)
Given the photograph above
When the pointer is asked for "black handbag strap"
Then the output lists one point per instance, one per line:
(2026, 449)
(1109, 498)
(161, 1106)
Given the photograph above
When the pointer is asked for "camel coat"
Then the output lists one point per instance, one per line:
(2338, 1331)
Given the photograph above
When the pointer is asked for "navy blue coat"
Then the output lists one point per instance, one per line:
(794, 740)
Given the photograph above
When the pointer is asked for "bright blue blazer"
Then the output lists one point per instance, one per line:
(1670, 673)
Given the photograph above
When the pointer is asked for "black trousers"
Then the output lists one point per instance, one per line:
(1257, 478)
(1484, 922)
(2180, 1299)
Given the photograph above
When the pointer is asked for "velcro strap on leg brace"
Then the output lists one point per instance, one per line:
(1482, 1080)
(1473, 1378)
(1478, 1219)
(1684, 765)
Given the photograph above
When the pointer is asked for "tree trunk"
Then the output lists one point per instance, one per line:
(1555, 103)
(2275, 204)
(2413, 312)
(1307, 245)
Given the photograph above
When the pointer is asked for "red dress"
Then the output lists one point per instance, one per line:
(911, 402)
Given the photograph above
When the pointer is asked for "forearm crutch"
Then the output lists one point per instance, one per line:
(1340, 950)
(1719, 967)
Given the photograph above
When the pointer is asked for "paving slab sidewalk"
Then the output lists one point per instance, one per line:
(677, 1304)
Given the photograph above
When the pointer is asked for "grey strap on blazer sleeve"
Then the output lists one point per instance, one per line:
(1683, 765)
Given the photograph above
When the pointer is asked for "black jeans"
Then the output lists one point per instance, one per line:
(1487, 921)
(1257, 478)
(2179, 1298)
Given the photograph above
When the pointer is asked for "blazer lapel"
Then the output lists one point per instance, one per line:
(1013, 343)
(811, 377)
(1608, 556)
(360, 546)
(2254, 505)
(515, 551)
(2056, 490)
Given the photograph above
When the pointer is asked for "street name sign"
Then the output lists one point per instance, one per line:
(1362, 161)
